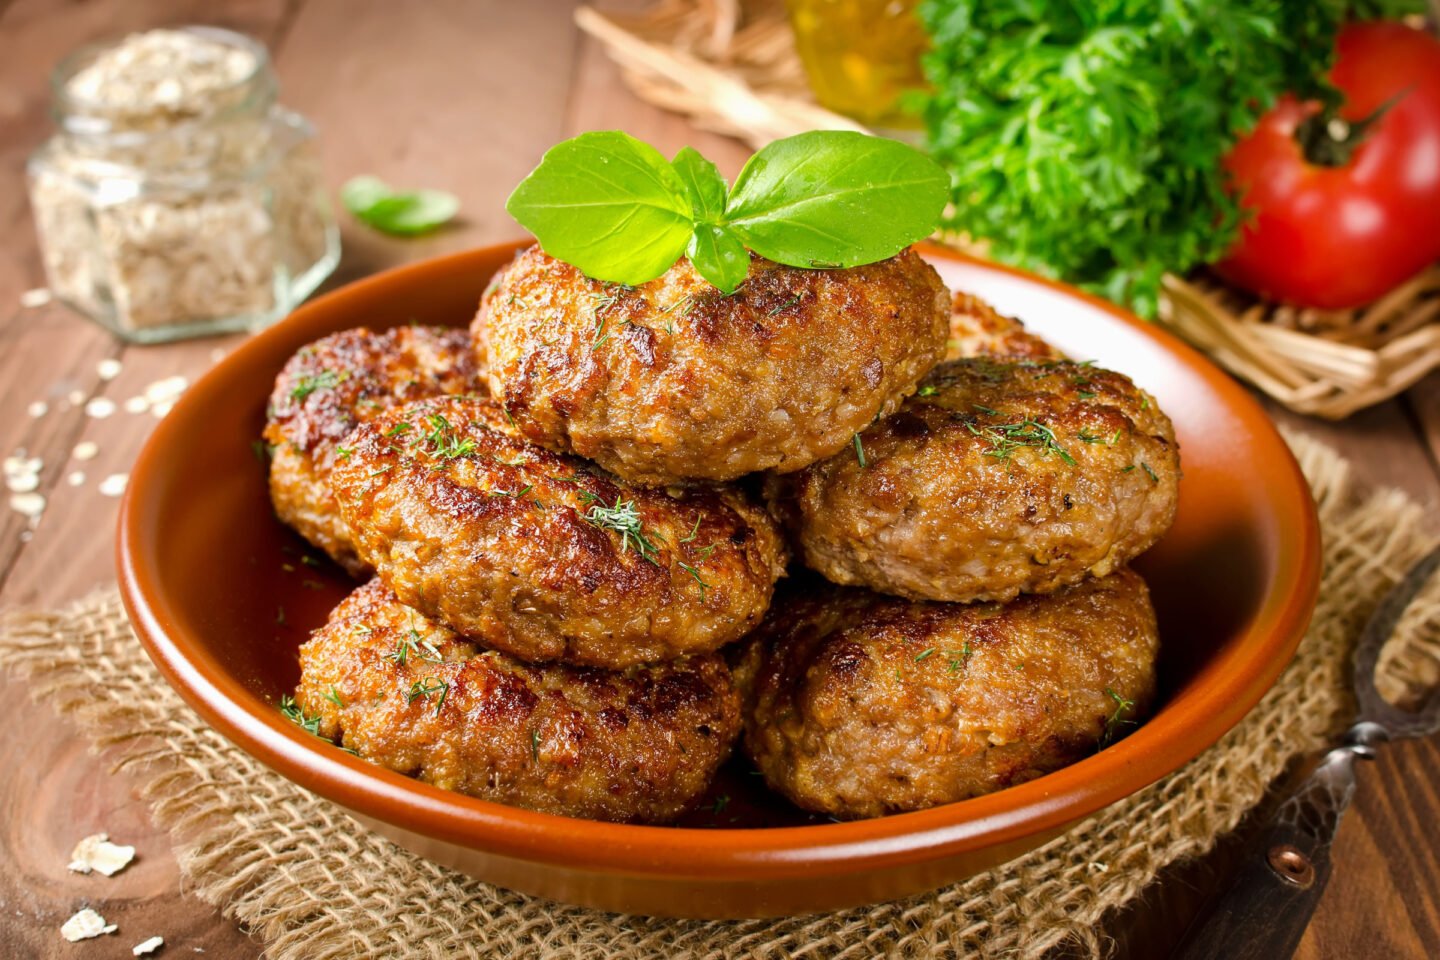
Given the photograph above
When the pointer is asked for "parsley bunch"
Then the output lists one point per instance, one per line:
(1084, 139)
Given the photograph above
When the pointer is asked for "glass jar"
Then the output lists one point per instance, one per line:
(861, 56)
(177, 198)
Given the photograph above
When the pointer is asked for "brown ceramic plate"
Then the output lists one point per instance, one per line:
(205, 568)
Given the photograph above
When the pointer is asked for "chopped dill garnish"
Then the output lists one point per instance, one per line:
(412, 645)
(703, 553)
(1117, 719)
(928, 390)
(334, 697)
(310, 382)
(988, 411)
(925, 655)
(860, 452)
(343, 452)
(1153, 477)
(959, 660)
(1086, 395)
(296, 715)
(786, 305)
(622, 518)
(1127, 469)
(399, 429)
(444, 442)
(696, 575)
(513, 494)
(427, 688)
(693, 530)
(721, 802)
(1006, 438)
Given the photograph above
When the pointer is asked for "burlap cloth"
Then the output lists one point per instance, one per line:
(312, 883)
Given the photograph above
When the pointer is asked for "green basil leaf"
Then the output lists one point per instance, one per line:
(719, 256)
(608, 204)
(412, 212)
(704, 185)
(836, 198)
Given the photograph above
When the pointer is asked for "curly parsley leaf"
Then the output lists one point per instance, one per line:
(403, 213)
(1084, 140)
(611, 206)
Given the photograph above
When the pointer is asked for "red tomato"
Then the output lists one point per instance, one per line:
(1341, 236)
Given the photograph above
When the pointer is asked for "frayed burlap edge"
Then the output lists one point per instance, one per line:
(313, 884)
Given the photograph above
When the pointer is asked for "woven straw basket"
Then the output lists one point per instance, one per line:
(731, 66)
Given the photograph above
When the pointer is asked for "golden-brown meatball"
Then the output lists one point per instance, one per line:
(859, 705)
(541, 555)
(996, 478)
(979, 330)
(405, 693)
(674, 379)
(329, 387)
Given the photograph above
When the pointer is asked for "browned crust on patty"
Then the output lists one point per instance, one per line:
(859, 705)
(979, 330)
(332, 385)
(996, 478)
(637, 746)
(505, 542)
(673, 379)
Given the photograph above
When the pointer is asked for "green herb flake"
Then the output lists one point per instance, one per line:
(1006, 438)
(1150, 473)
(427, 688)
(928, 390)
(296, 714)
(334, 697)
(695, 575)
(924, 655)
(1118, 719)
(535, 746)
(860, 452)
(622, 518)
(311, 382)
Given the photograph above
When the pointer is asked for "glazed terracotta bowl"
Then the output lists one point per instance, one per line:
(205, 568)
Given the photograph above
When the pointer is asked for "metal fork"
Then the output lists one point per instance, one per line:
(1265, 911)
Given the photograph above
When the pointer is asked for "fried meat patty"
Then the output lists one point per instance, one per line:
(543, 556)
(979, 330)
(996, 478)
(673, 379)
(332, 385)
(406, 693)
(859, 705)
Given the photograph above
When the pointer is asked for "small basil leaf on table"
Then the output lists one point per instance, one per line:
(608, 204)
(704, 185)
(404, 213)
(836, 199)
(719, 256)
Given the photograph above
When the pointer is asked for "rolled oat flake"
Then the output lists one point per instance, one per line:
(177, 198)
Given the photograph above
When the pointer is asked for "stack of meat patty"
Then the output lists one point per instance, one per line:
(562, 516)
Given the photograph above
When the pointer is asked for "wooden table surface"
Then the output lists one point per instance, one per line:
(462, 95)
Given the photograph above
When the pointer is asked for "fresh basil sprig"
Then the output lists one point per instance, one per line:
(615, 208)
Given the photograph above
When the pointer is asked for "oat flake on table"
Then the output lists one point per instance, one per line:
(147, 946)
(84, 925)
(96, 853)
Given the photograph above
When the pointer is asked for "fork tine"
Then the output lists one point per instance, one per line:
(1381, 626)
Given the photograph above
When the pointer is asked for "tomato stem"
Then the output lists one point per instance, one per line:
(1329, 140)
